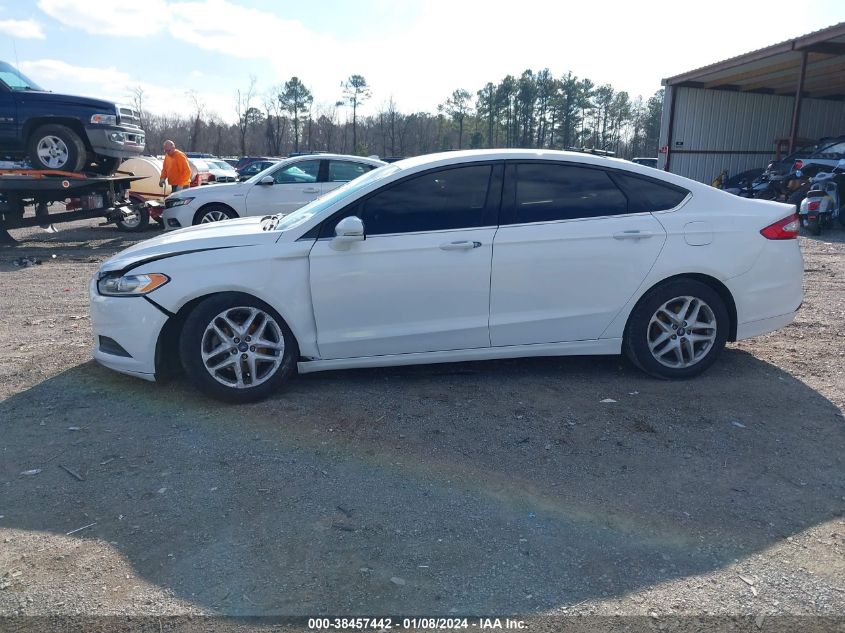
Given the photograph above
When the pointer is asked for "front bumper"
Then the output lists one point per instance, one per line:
(178, 217)
(116, 141)
(125, 330)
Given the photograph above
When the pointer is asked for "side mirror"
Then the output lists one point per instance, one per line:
(267, 180)
(348, 230)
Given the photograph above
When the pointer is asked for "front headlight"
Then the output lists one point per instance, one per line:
(104, 119)
(131, 285)
(177, 202)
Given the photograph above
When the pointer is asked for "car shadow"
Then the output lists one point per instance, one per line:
(513, 486)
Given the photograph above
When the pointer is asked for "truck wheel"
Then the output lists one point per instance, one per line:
(56, 147)
(136, 221)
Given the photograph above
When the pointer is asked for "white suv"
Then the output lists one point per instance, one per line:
(281, 188)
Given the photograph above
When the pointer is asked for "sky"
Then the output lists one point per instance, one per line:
(415, 52)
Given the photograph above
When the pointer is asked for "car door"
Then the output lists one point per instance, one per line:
(294, 185)
(568, 255)
(341, 171)
(8, 118)
(420, 281)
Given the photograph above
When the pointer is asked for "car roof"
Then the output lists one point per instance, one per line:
(427, 161)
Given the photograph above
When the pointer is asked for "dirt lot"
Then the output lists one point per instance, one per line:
(496, 488)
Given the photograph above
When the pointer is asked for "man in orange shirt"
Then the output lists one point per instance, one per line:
(177, 169)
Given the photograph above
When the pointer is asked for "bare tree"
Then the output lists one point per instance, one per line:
(196, 126)
(243, 103)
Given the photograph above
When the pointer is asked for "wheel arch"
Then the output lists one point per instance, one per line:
(167, 361)
(716, 285)
(215, 203)
(73, 124)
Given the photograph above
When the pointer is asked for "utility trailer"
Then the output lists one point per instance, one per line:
(84, 196)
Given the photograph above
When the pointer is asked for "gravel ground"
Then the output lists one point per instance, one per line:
(495, 488)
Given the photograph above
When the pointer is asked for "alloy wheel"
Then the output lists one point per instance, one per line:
(681, 332)
(242, 347)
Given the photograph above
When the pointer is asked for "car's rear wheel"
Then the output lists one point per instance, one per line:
(235, 347)
(214, 213)
(677, 330)
(56, 147)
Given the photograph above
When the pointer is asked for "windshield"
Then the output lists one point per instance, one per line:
(219, 164)
(320, 204)
(16, 80)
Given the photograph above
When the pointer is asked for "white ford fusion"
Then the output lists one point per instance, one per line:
(455, 257)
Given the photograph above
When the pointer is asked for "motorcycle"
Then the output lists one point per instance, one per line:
(823, 203)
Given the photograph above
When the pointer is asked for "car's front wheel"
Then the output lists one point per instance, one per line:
(214, 213)
(677, 330)
(235, 347)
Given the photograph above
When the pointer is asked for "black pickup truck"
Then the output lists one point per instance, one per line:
(64, 132)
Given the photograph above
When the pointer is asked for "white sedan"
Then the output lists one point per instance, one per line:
(455, 257)
(281, 188)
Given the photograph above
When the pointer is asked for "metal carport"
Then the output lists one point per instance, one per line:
(732, 114)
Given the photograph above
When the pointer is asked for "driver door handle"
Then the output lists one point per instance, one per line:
(632, 235)
(463, 245)
(311, 190)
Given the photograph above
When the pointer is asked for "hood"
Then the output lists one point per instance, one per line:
(240, 232)
(56, 98)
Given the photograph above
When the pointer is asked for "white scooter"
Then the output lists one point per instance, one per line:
(823, 203)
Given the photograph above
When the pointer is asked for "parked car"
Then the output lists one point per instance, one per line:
(648, 162)
(243, 161)
(449, 257)
(283, 187)
(256, 167)
(220, 171)
(825, 157)
(64, 132)
(200, 172)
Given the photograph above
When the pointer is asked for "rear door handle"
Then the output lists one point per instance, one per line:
(463, 245)
(311, 190)
(632, 235)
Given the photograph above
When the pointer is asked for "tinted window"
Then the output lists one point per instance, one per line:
(302, 172)
(435, 201)
(648, 195)
(344, 171)
(547, 192)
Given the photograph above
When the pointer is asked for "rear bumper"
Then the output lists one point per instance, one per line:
(116, 141)
(125, 333)
(768, 296)
(764, 326)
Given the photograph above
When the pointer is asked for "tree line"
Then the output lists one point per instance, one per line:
(535, 110)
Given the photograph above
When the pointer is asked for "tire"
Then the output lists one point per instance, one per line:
(814, 226)
(137, 223)
(659, 312)
(56, 147)
(214, 213)
(226, 376)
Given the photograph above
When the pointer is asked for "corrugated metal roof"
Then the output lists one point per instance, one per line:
(775, 69)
